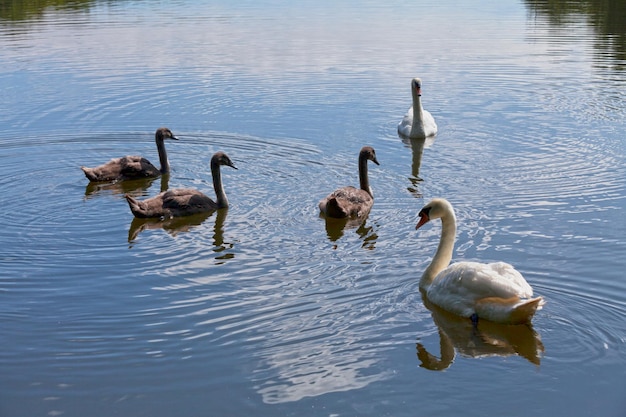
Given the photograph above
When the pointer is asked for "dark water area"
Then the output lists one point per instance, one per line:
(265, 307)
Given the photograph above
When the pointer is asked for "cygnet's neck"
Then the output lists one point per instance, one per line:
(165, 165)
(443, 256)
(363, 177)
(220, 195)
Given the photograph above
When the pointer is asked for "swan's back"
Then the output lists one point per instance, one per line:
(494, 291)
(124, 168)
(188, 200)
(173, 203)
(497, 279)
(346, 202)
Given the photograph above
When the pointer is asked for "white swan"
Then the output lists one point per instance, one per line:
(184, 201)
(133, 167)
(417, 122)
(350, 201)
(495, 291)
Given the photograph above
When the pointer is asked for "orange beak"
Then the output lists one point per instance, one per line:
(423, 220)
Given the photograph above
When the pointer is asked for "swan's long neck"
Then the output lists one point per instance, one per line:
(363, 177)
(418, 111)
(165, 165)
(222, 201)
(443, 256)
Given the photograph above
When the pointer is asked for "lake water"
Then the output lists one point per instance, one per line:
(264, 308)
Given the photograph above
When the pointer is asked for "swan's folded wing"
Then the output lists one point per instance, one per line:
(510, 279)
(408, 117)
(111, 170)
(429, 120)
(347, 201)
(185, 199)
(352, 195)
(404, 127)
(137, 166)
(485, 280)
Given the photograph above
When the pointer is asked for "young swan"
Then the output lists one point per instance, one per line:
(350, 201)
(417, 123)
(495, 291)
(184, 201)
(133, 167)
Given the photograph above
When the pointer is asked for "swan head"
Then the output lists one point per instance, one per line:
(437, 208)
(368, 153)
(220, 158)
(163, 133)
(416, 86)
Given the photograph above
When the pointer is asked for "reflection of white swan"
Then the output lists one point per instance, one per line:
(417, 122)
(133, 167)
(495, 291)
(184, 201)
(417, 147)
(417, 150)
(350, 201)
(457, 334)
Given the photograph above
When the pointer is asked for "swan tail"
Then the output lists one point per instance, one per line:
(524, 312)
(510, 310)
(91, 176)
(137, 207)
(334, 209)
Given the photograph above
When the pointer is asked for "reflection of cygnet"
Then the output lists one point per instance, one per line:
(417, 123)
